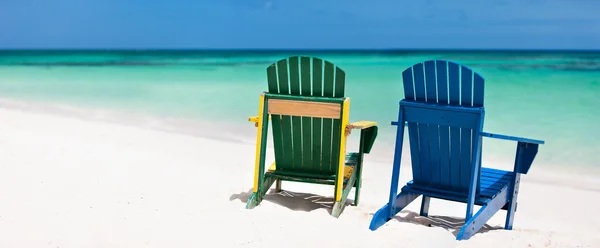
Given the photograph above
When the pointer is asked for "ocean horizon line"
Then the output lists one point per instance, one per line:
(311, 50)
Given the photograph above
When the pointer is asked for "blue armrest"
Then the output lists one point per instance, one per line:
(526, 150)
(513, 138)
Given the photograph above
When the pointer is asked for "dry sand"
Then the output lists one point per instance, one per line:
(70, 182)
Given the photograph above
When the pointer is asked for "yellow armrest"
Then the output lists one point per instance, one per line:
(362, 124)
(255, 120)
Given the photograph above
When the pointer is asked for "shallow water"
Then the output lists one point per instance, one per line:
(553, 96)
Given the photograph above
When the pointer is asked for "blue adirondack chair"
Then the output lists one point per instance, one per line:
(443, 109)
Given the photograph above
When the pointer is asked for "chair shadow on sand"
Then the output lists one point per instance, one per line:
(452, 224)
(293, 200)
(308, 202)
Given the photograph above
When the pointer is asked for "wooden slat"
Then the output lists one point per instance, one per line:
(454, 84)
(466, 134)
(466, 87)
(454, 99)
(328, 88)
(423, 129)
(430, 82)
(444, 132)
(317, 123)
(276, 119)
(282, 75)
(294, 72)
(407, 78)
(305, 76)
(304, 108)
(326, 145)
(478, 90)
(340, 82)
(419, 82)
(413, 130)
(317, 77)
(328, 80)
(307, 130)
(442, 81)
(440, 116)
(433, 132)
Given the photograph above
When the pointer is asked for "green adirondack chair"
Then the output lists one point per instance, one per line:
(309, 116)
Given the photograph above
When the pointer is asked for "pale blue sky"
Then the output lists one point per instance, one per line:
(543, 24)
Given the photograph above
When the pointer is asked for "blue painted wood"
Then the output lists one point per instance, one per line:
(413, 132)
(441, 69)
(409, 89)
(433, 129)
(512, 205)
(475, 169)
(466, 136)
(444, 132)
(396, 165)
(478, 88)
(430, 82)
(473, 224)
(466, 84)
(513, 138)
(525, 155)
(419, 82)
(454, 100)
(423, 168)
(425, 206)
(445, 135)
(382, 215)
(435, 117)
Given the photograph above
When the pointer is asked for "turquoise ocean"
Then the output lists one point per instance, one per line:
(548, 95)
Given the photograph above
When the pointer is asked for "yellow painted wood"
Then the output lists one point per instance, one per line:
(340, 179)
(362, 124)
(272, 167)
(258, 141)
(348, 171)
(255, 120)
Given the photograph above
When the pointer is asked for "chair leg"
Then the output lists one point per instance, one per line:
(278, 185)
(356, 194)
(512, 204)
(425, 206)
(257, 197)
(473, 224)
(382, 215)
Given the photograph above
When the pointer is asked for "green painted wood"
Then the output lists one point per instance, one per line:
(309, 145)
(256, 197)
(317, 123)
(328, 79)
(340, 82)
(335, 145)
(294, 73)
(338, 207)
(303, 179)
(276, 120)
(307, 128)
(326, 147)
(317, 77)
(326, 144)
(286, 121)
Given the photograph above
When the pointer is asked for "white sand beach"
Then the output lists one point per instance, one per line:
(71, 182)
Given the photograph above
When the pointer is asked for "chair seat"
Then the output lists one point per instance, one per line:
(492, 182)
(350, 164)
